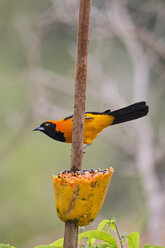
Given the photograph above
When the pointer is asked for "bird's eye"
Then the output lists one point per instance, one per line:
(47, 124)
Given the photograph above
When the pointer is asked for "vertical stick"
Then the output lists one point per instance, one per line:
(70, 236)
(71, 230)
(80, 85)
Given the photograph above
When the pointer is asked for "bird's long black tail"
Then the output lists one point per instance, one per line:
(134, 111)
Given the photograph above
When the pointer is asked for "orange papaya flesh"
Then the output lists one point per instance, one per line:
(80, 195)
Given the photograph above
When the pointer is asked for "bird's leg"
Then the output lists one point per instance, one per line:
(86, 147)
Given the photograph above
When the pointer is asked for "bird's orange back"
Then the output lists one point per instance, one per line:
(94, 124)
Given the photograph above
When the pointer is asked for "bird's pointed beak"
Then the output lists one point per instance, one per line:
(38, 129)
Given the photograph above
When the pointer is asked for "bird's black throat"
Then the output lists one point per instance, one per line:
(50, 130)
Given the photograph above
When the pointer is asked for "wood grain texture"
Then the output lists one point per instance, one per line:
(71, 230)
(80, 85)
(71, 235)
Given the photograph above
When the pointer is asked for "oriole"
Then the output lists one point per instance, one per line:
(95, 122)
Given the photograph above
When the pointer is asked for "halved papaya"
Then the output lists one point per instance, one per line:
(80, 195)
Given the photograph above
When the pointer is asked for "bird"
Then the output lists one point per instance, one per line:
(95, 122)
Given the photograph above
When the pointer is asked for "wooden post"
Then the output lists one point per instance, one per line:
(80, 85)
(71, 230)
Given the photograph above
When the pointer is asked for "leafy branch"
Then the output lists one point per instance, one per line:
(100, 238)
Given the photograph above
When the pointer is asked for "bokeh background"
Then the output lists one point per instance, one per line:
(37, 64)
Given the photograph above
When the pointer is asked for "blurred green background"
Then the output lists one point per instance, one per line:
(37, 64)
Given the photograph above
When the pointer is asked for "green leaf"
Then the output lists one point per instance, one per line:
(109, 223)
(104, 245)
(44, 246)
(102, 224)
(6, 246)
(49, 246)
(153, 246)
(58, 243)
(101, 235)
(112, 224)
(101, 227)
(133, 240)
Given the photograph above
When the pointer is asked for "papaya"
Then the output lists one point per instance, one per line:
(80, 195)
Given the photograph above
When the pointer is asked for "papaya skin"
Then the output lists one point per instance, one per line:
(80, 196)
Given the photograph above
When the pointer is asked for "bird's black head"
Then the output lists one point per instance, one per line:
(49, 128)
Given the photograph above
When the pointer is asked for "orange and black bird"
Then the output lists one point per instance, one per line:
(95, 122)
